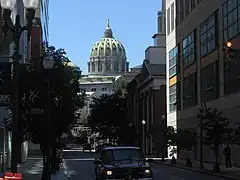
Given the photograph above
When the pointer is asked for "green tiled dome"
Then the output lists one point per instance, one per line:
(108, 46)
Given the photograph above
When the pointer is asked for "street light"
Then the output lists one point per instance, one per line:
(16, 29)
(143, 138)
(201, 144)
(48, 65)
(163, 118)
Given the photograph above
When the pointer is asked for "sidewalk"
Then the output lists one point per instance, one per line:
(32, 170)
(228, 173)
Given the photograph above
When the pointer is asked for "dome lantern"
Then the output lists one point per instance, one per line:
(108, 31)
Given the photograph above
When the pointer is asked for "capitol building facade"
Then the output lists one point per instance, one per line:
(107, 62)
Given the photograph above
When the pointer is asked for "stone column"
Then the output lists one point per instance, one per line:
(146, 119)
(96, 66)
(142, 112)
(150, 117)
(104, 66)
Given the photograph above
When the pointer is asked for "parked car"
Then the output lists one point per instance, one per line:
(123, 162)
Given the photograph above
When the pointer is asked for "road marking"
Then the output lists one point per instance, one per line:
(32, 158)
(82, 159)
(65, 169)
(77, 150)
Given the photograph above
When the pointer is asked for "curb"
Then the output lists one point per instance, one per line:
(200, 171)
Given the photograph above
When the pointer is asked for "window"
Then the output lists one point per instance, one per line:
(83, 89)
(104, 89)
(121, 155)
(172, 97)
(208, 35)
(188, 54)
(123, 66)
(209, 82)
(168, 20)
(172, 17)
(173, 56)
(231, 19)
(89, 67)
(232, 74)
(178, 96)
(116, 66)
(190, 91)
(94, 89)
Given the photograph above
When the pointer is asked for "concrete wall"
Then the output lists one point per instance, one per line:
(88, 87)
(156, 54)
(170, 44)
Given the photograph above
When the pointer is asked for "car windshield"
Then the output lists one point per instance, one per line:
(118, 155)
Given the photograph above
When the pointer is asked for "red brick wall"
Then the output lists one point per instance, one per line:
(36, 41)
(159, 100)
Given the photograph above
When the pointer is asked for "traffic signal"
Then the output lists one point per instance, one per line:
(228, 51)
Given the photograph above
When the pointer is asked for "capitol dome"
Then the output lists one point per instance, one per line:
(108, 55)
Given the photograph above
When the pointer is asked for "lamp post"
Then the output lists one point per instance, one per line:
(143, 138)
(163, 118)
(201, 144)
(16, 29)
(48, 65)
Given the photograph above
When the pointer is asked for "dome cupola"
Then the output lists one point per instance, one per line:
(107, 55)
(108, 45)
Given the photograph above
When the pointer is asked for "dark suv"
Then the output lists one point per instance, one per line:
(125, 162)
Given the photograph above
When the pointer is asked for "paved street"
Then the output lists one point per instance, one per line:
(79, 165)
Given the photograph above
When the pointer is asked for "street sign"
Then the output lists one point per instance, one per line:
(36, 112)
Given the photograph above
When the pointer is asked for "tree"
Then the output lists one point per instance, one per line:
(108, 117)
(64, 98)
(187, 139)
(120, 86)
(180, 139)
(236, 135)
(216, 130)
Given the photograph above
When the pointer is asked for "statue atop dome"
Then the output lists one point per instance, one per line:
(108, 31)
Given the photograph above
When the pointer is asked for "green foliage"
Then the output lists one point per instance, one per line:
(236, 135)
(120, 86)
(181, 139)
(65, 99)
(108, 116)
(215, 127)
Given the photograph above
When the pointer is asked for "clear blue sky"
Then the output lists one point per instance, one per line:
(76, 25)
